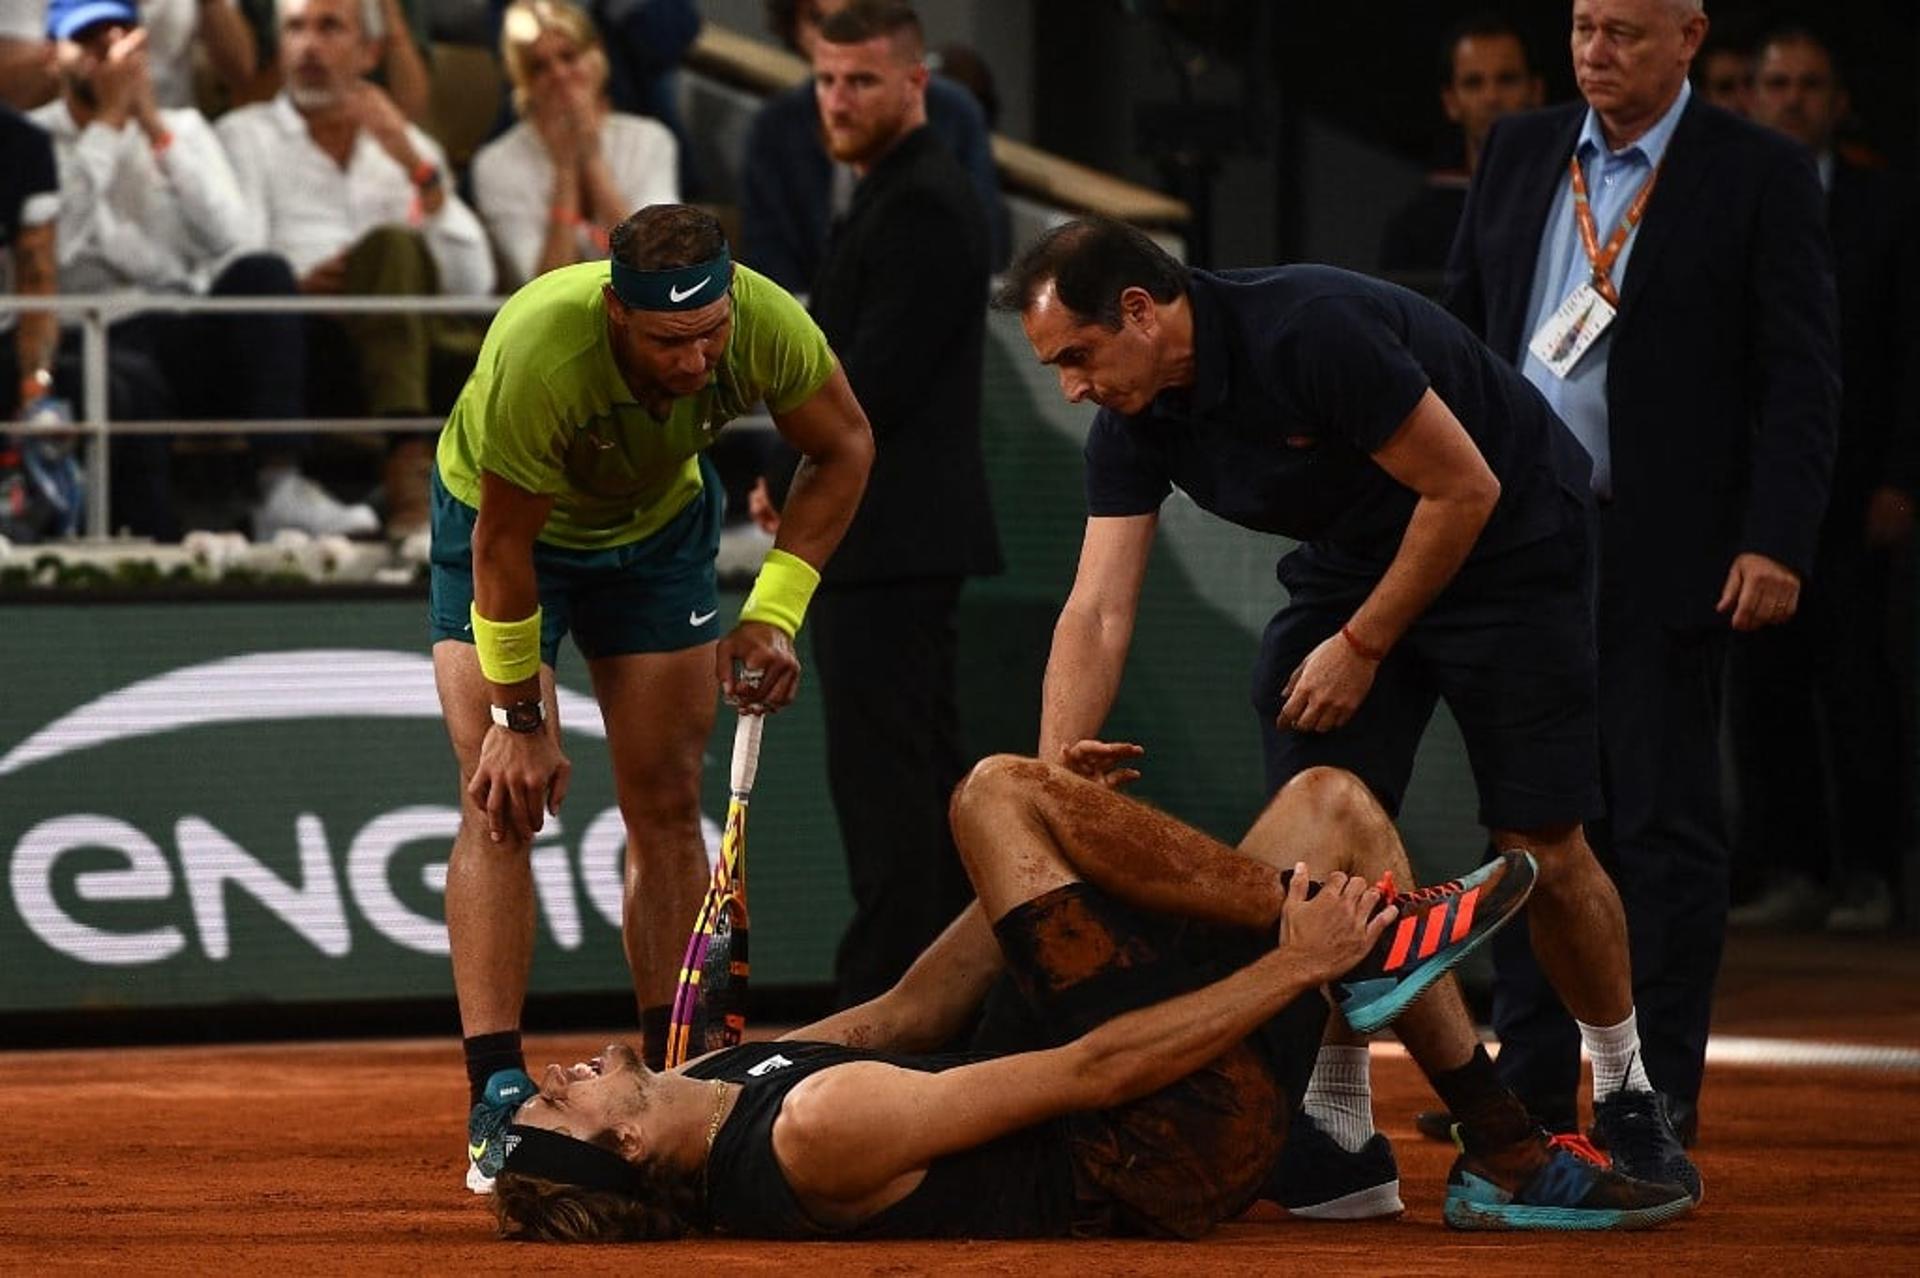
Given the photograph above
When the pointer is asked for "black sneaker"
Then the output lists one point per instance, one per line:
(1318, 1180)
(1635, 1130)
(1570, 1193)
(1438, 927)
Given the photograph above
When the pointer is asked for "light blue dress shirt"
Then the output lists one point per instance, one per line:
(1613, 179)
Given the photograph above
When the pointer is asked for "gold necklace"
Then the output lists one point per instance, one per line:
(719, 1105)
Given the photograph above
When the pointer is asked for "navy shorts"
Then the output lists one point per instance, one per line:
(1509, 645)
(1196, 1152)
(659, 594)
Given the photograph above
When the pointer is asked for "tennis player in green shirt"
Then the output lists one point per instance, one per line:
(572, 495)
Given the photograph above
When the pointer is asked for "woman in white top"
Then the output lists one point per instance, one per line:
(550, 187)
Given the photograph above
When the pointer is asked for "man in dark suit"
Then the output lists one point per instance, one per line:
(1821, 782)
(1485, 73)
(902, 296)
(792, 191)
(1693, 244)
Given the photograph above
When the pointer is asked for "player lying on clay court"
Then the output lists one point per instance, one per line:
(1154, 1042)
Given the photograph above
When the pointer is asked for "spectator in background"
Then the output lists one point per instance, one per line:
(29, 206)
(1660, 270)
(551, 187)
(791, 190)
(1484, 74)
(645, 42)
(398, 28)
(33, 503)
(902, 297)
(1723, 74)
(151, 205)
(965, 67)
(1820, 765)
(336, 181)
(177, 31)
(27, 78)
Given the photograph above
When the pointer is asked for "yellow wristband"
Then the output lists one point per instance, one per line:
(781, 592)
(509, 650)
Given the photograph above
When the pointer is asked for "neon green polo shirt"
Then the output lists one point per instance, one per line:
(547, 410)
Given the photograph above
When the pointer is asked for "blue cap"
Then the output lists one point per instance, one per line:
(67, 18)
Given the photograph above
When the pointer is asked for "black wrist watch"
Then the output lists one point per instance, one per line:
(522, 716)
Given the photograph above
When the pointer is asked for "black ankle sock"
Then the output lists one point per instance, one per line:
(653, 1035)
(1491, 1117)
(487, 1054)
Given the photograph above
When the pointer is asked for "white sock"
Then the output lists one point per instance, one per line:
(1615, 1050)
(1340, 1095)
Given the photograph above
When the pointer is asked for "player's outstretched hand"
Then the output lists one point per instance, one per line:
(1103, 761)
(521, 777)
(1331, 933)
(757, 668)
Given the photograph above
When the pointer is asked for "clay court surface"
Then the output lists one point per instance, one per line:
(346, 1158)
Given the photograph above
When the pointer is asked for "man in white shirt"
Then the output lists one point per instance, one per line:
(152, 207)
(358, 200)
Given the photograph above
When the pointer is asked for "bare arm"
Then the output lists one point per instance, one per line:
(504, 587)
(835, 443)
(1095, 629)
(519, 777)
(229, 43)
(38, 332)
(406, 70)
(1432, 454)
(27, 78)
(930, 1004)
(855, 1138)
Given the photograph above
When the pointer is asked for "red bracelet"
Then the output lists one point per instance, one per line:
(161, 143)
(1370, 653)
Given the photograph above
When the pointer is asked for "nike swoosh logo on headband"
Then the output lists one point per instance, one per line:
(679, 295)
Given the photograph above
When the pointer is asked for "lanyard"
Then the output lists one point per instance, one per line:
(1602, 260)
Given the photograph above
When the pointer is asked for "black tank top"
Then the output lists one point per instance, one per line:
(1020, 1186)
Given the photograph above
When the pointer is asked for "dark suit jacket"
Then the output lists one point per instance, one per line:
(903, 298)
(786, 179)
(1723, 384)
(1876, 246)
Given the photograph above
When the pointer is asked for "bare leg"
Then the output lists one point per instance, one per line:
(1579, 930)
(1330, 814)
(659, 711)
(490, 903)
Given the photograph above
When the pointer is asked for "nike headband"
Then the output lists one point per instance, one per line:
(535, 1151)
(684, 288)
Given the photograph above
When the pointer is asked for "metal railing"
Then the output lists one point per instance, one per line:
(96, 314)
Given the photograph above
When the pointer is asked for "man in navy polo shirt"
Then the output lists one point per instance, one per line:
(1444, 515)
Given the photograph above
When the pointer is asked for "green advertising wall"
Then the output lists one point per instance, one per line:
(235, 802)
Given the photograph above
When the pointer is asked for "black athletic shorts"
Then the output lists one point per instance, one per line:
(1509, 646)
(1196, 1152)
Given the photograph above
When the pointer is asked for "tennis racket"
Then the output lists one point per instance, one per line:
(710, 1002)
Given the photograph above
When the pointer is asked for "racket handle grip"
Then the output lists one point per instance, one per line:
(746, 753)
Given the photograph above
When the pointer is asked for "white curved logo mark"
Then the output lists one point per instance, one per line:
(675, 295)
(308, 683)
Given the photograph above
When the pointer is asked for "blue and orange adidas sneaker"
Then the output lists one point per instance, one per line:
(1571, 1192)
(506, 1091)
(1438, 927)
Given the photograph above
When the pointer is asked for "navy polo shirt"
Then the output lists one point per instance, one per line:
(1300, 373)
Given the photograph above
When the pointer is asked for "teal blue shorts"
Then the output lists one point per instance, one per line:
(657, 594)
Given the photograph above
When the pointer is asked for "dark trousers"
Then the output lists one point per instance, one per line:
(1814, 710)
(885, 656)
(168, 366)
(1664, 843)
